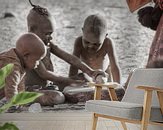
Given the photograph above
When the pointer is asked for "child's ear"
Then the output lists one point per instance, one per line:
(26, 55)
(33, 28)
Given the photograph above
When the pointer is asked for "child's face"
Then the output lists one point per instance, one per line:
(91, 42)
(45, 30)
(31, 61)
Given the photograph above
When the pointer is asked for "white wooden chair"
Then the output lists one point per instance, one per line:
(141, 104)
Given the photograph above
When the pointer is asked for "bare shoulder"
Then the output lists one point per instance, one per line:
(78, 41)
(108, 44)
(108, 41)
(78, 44)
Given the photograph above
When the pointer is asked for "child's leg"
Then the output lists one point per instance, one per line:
(50, 98)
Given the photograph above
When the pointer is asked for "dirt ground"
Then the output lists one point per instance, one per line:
(132, 40)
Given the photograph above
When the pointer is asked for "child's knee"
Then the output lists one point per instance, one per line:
(60, 98)
(51, 98)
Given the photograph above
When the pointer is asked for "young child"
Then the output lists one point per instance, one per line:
(95, 49)
(29, 50)
(39, 22)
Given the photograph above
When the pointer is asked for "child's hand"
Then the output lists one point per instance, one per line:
(100, 77)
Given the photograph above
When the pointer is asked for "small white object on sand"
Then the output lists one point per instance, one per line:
(101, 79)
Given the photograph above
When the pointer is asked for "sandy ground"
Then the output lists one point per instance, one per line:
(132, 41)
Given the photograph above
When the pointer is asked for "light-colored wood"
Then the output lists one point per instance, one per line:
(112, 94)
(146, 109)
(124, 125)
(97, 94)
(119, 119)
(108, 84)
(127, 120)
(94, 122)
(150, 88)
(160, 98)
(113, 97)
(156, 123)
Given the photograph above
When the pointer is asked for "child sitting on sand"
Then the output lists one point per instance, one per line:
(29, 50)
(96, 50)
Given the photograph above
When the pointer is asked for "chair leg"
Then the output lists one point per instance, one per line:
(94, 121)
(144, 126)
(97, 95)
(113, 95)
(146, 110)
(124, 125)
(160, 98)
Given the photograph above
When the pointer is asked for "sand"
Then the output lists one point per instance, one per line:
(132, 41)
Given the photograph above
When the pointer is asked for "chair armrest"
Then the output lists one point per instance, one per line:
(108, 84)
(148, 91)
(149, 88)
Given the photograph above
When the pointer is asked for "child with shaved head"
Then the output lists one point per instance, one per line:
(29, 50)
(39, 22)
(96, 50)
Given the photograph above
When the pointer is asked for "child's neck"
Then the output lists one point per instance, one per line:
(20, 58)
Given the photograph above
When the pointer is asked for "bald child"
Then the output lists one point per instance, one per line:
(95, 49)
(25, 56)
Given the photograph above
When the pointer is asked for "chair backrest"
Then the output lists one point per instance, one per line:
(143, 77)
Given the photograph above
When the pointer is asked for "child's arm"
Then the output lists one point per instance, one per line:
(13, 82)
(73, 60)
(77, 51)
(113, 62)
(48, 75)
